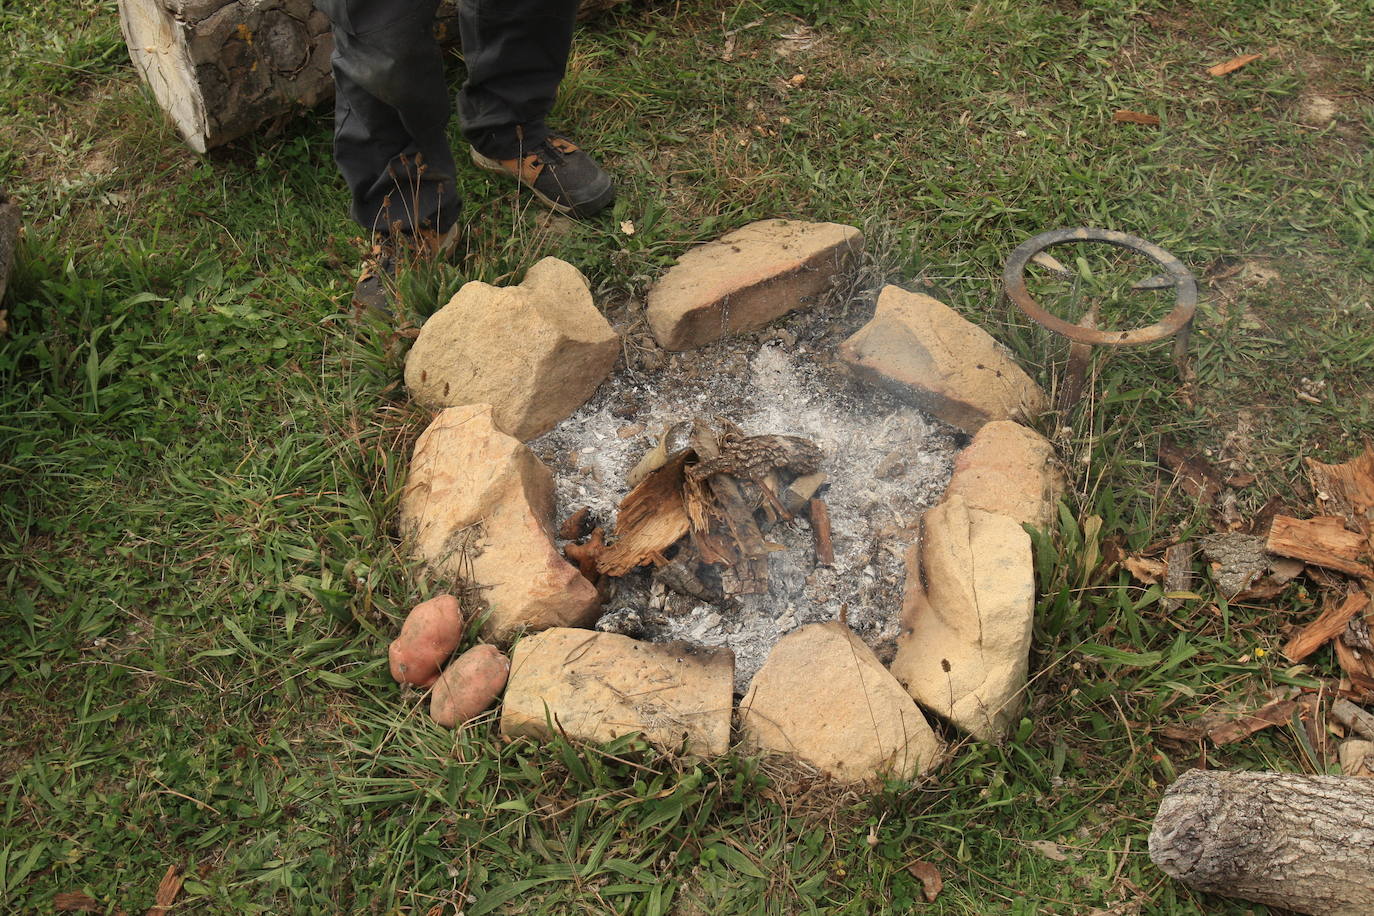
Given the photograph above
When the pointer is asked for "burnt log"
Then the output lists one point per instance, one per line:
(223, 68)
(1298, 842)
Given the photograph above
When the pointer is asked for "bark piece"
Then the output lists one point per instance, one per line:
(1178, 574)
(477, 510)
(1323, 541)
(1328, 626)
(1193, 473)
(599, 686)
(223, 68)
(1299, 842)
(1011, 470)
(747, 278)
(535, 351)
(824, 697)
(925, 353)
(650, 519)
(1275, 713)
(966, 618)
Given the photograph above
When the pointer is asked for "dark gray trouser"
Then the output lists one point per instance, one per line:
(391, 105)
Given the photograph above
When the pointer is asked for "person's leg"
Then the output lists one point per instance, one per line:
(516, 52)
(391, 115)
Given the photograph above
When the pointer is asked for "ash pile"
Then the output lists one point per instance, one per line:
(734, 534)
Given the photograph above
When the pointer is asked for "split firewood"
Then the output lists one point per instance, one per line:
(1358, 667)
(1322, 541)
(223, 68)
(1284, 840)
(650, 519)
(1328, 626)
(820, 525)
(745, 553)
(1354, 718)
(798, 494)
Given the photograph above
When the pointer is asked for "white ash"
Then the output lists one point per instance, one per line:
(886, 464)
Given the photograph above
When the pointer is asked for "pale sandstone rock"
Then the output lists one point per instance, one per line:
(1010, 470)
(926, 353)
(599, 686)
(478, 507)
(747, 278)
(965, 643)
(536, 352)
(824, 697)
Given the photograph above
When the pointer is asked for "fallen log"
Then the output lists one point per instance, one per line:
(1299, 842)
(223, 68)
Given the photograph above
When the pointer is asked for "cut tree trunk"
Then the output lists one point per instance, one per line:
(9, 240)
(1299, 842)
(223, 68)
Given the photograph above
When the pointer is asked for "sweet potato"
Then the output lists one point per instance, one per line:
(430, 634)
(469, 685)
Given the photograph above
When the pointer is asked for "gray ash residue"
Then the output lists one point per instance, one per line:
(886, 462)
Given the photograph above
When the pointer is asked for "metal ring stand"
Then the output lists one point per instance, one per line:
(1086, 335)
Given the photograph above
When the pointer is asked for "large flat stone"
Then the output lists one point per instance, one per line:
(824, 697)
(966, 618)
(927, 354)
(477, 508)
(599, 686)
(1010, 470)
(535, 352)
(747, 278)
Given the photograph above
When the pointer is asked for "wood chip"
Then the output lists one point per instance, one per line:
(1147, 570)
(1323, 541)
(167, 892)
(1276, 713)
(1330, 624)
(1126, 116)
(76, 902)
(929, 876)
(1358, 667)
(1231, 65)
(820, 526)
(574, 525)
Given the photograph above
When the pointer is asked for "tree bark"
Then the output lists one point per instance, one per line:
(223, 68)
(1305, 843)
(9, 240)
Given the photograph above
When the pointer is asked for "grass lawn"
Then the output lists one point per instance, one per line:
(200, 451)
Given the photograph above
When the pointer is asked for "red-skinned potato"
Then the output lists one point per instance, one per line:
(469, 685)
(430, 634)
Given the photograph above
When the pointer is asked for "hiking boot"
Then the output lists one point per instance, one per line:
(560, 174)
(376, 289)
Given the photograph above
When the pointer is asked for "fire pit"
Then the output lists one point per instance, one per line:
(795, 428)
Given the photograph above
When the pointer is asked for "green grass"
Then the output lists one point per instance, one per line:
(200, 451)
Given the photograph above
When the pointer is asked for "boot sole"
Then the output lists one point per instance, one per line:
(598, 203)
